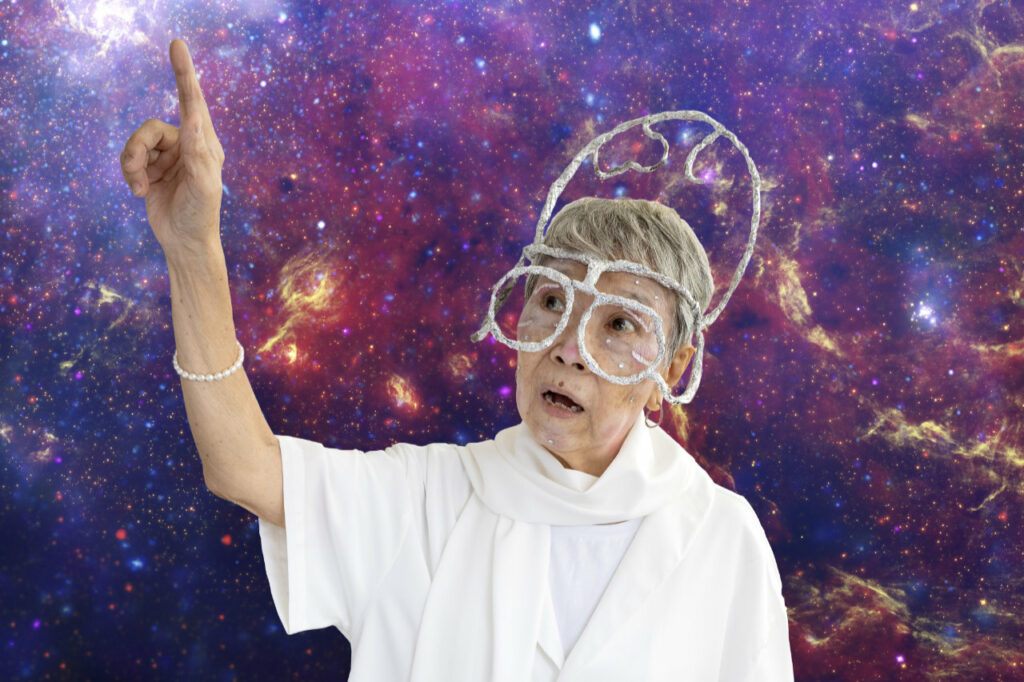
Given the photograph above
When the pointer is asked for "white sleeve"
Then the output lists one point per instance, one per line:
(774, 661)
(346, 516)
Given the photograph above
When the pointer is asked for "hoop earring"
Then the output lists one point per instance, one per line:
(654, 425)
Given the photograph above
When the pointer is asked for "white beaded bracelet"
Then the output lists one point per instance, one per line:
(210, 377)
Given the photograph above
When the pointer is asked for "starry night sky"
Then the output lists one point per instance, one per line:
(386, 162)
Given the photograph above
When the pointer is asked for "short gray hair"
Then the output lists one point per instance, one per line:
(644, 232)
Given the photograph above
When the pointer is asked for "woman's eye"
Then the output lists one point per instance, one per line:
(623, 324)
(553, 303)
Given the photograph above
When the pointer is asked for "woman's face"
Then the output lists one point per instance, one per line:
(577, 415)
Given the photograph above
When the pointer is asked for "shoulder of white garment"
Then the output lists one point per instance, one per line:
(737, 509)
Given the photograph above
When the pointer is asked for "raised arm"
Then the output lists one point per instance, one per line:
(178, 171)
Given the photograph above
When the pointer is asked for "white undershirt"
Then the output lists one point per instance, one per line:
(583, 560)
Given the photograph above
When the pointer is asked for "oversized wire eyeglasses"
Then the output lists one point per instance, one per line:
(620, 359)
(619, 338)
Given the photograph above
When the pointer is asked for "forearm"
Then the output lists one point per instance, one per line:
(229, 429)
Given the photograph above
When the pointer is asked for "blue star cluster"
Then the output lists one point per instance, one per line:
(386, 162)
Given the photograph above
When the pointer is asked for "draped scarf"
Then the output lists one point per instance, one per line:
(482, 616)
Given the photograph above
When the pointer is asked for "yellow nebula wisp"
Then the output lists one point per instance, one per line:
(460, 365)
(795, 305)
(998, 455)
(95, 296)
(677, 419)
(401, 393)
(306, 289)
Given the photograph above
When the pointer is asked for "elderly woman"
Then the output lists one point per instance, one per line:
(582, 544)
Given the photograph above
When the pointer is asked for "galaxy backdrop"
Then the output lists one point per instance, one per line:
(386, 162)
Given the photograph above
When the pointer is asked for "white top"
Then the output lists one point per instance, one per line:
(583, 559)
(366, 533)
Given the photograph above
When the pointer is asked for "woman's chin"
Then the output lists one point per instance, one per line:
(556, 434)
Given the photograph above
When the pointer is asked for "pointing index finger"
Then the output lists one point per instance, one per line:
(190, 95)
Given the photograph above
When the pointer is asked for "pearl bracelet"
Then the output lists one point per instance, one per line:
(210, 377)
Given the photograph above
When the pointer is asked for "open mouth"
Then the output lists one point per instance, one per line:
(562, 401)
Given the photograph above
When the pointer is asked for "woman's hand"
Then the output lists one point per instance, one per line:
(178, 170)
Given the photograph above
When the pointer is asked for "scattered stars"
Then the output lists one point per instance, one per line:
(925, 313)
(879, 322)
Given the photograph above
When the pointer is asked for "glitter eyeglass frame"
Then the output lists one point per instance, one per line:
(595, 268)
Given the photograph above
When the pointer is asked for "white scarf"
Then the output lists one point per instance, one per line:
(482, 616)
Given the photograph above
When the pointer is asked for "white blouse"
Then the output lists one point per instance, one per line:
(366, 532)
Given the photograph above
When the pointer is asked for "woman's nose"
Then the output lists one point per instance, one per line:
(565, 349)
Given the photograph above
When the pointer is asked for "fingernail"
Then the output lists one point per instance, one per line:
(137, 189)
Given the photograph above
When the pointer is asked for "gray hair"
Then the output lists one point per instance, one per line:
(644, 232)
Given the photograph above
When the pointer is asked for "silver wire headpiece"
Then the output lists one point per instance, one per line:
(650, 320)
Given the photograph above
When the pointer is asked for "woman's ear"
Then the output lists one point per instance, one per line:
(674, 371)
(671, 374)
